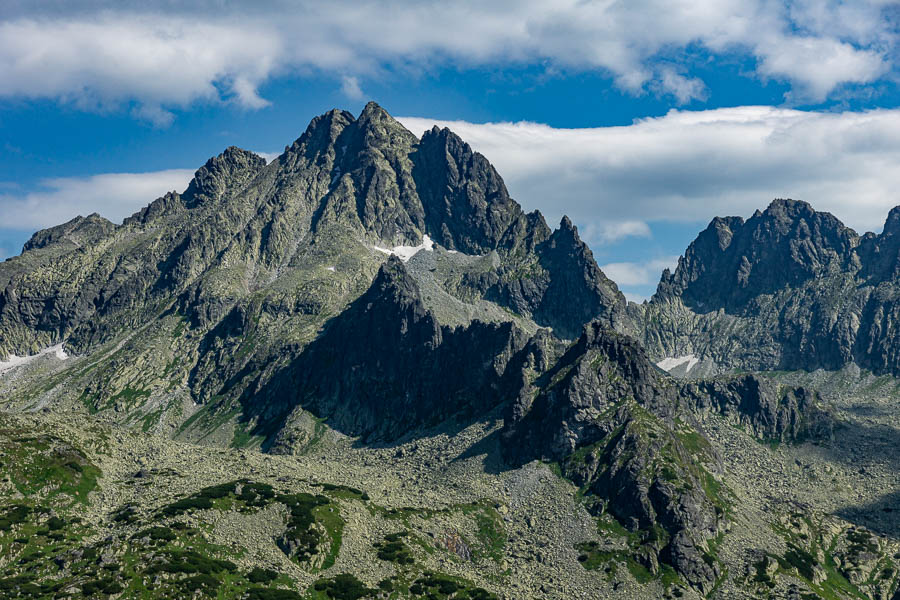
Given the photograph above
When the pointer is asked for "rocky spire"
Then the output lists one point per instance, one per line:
(733, 261)
(227, 172)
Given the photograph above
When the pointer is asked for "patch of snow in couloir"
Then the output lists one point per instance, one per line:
(17, 361)
(405, 253)
(667, 364)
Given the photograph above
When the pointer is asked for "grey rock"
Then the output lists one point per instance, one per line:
(790, 288)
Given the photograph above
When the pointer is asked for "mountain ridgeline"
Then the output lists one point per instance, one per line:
(241, 225)
(790, 288)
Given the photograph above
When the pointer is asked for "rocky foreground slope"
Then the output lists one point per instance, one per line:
(362, 371)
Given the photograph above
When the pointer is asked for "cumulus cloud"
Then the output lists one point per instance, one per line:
(350, 87)
(166, 55)
(113, 195)
(688, 166)
(835, 62)
(639, 273)
(612, 232)
(158, 61)
(683, 88)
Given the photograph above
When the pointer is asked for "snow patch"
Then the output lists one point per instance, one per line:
(330, 269)
(667, 364)
(405, 253)
(17, 361)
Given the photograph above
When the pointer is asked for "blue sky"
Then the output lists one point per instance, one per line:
(641, 120)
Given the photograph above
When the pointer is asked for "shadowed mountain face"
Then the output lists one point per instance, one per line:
(790, 288)
(385, 367)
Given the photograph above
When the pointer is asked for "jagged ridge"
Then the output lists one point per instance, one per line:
(790, 288)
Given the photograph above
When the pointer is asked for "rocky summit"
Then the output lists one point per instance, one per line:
(363, 371)
(788, 289)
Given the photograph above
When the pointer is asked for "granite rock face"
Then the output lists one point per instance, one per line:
(767, 410)
(559, 285)
(632, 439)
(243, 225)
(790, 288)
(385, 367)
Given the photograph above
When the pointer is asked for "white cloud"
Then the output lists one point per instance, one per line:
(637, 298)
(158, 61)
(350, 87)
(163, 56)
(688, 166)
(113, 195)
(269, 156)
(639, 273)
(683, 88)
(610, 233)
(819, 65)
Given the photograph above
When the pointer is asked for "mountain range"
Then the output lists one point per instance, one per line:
(421, 390)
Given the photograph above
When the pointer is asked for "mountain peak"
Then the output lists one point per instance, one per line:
(788, 206)
(222, 173)
(787, 211)
(375, 114)
(324, 129)
(892, 223)
(80, 230)
(783, 246)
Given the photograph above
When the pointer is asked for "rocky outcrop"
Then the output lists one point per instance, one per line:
(466, 204)
(767, 410)
(577, 290)
(606, 413)
(77, 232)
(385, 367)
(630, 438)
(559, 285)
(227, 173)
(790, 288)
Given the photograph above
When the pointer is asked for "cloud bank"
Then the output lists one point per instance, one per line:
(686, 167)
(163, 55)
(113, 195)
(690, 166)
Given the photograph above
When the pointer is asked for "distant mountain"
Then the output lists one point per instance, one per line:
(790, 288)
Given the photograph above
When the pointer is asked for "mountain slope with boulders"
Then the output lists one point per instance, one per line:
(361, 370)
